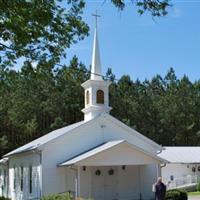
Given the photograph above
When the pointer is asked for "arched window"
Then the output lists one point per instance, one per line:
(100, 96)
(87, 98)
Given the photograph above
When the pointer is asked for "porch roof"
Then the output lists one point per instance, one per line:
(113, 153)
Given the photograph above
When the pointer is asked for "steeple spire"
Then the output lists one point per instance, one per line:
(96, 73)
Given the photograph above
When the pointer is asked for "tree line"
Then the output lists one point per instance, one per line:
(37, 100)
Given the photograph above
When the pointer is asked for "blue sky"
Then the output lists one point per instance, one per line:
(143, 47)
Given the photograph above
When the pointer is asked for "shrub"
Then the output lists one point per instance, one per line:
(176, 195)
(4, 198)
(198, 186)
(64, 196)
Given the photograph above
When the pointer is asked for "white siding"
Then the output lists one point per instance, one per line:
(3, 180)
(63, 148)
(178, 170)
(85, 182)
(25, 161)
(129, 182)
(148, 176)
(113, 131)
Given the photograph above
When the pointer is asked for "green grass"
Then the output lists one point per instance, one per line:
(193, 193)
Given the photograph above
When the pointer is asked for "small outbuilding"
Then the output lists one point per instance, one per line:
(183, 164)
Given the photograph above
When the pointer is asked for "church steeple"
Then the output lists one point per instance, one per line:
(96, 89)
(96, 61)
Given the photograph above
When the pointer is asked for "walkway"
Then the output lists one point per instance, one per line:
(194, 197)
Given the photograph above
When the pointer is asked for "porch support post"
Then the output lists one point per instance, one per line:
(76, 188)
(139, 173)
(78, 181)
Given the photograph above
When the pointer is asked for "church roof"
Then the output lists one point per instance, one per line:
(3, 161)
(103, 147)
(181, 154)
(35, 144)
(44, 139)
(91, 152)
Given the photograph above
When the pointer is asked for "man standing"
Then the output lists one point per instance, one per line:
(160, 189)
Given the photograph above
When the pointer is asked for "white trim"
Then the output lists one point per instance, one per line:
(88, 83)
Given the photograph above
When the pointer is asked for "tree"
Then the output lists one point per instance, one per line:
(3, 144)
(157, 8)
(38, 30)
(163, 109)
(37, 100)
(35, 29)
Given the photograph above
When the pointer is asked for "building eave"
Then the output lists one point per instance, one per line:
(89, 82)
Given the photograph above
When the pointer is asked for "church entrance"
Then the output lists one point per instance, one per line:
(104, 183)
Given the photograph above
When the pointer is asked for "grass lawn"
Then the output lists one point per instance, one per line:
(193, 193)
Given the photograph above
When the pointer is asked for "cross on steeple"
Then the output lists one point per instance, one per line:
(96, 17)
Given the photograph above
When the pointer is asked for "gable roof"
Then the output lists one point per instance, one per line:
(59, 132)
(181, 154)
(91, 152)
(101, 148)
(44, 139)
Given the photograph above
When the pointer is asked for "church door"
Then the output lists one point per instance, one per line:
(97, 183)
(104, 183)
(110, 185)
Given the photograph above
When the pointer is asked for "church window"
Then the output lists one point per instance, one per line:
(30, 179)
(15, 178)
(4, 179)
(87, 97)
(21, 178)
(100, 97)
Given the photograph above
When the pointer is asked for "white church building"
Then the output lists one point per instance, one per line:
(99, 158)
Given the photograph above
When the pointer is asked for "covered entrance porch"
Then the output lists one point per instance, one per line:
(115, 170)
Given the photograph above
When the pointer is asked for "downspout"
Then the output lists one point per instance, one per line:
(161, 165)
(164, 165)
